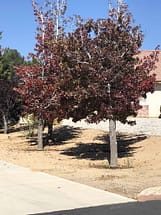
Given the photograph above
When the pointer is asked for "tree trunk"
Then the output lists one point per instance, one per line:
(40, 134)
(5, 124)
(50, 130)
(113, 143)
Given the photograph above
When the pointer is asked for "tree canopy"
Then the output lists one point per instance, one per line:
(107, 75)
(10, 103)
(9, 59)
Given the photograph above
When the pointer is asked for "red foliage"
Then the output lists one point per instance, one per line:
(107, 76)
(39, 82)
(91, 73)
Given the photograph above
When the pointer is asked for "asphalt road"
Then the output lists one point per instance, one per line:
(135, 208)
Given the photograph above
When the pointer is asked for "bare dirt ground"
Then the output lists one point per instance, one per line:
(81, 155)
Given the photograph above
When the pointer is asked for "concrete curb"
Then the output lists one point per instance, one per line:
(151, 193)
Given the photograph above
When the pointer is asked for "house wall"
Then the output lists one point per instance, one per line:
(151, 105)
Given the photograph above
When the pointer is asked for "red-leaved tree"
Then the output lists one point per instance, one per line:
(39, 82)
(9, 103)
(107, 77)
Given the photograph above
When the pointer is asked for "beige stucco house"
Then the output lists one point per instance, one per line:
(151, 106)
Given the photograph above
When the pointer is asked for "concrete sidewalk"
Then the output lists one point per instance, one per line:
(23, 191)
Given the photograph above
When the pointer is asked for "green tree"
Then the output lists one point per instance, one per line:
(9, 59)
(10, 102)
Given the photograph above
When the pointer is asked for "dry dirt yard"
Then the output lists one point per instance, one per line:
(81, 155)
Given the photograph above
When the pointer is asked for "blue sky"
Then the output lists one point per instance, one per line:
(19, 28)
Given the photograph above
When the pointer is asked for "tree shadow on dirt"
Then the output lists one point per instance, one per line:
(63, 134)
(12, 129)
(60, 136)
(101, 151)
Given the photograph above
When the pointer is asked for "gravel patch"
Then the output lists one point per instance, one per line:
(148, 126)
